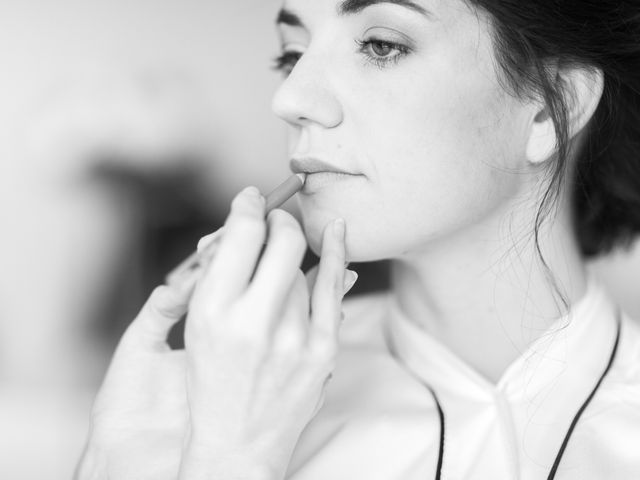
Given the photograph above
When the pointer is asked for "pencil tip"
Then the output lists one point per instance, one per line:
(302, 177)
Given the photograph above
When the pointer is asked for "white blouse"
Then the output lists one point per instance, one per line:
(381, 421)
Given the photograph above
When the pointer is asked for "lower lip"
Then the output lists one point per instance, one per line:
(318, 180)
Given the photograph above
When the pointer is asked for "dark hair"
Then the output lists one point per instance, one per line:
(600, 34)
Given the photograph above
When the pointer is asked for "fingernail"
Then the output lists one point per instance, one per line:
(350, 278)
(338, 228)
(205, 241)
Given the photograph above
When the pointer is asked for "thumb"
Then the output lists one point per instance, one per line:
(166, 305)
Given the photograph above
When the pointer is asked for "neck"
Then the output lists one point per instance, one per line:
(487, 297)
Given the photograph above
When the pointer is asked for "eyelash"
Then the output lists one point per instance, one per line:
(378, 61)
(287, 60)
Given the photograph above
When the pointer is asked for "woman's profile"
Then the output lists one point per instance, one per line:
(488, 149)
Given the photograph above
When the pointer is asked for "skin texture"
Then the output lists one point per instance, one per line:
(450, 167)
(258, 350)
(434, 136)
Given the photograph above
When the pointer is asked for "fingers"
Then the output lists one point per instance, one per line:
(326, 298)
(291, 331)
(208, 240)
(279, 265)
(230, 270)
(311, 276)
(164, 308)
(350, 279)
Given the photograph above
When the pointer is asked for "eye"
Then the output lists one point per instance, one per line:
(382, 52)
(286, 61)
(381, 49)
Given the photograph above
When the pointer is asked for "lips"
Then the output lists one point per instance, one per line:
(321, 175)
(311, 165)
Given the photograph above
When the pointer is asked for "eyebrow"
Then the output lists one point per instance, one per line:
(348, 7)
(287, 17)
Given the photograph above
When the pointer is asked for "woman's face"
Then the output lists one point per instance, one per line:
(404, 97)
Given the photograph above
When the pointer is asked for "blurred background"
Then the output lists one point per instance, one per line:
(125, 129)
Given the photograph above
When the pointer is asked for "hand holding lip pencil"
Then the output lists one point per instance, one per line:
(197, 259)
(261, 340)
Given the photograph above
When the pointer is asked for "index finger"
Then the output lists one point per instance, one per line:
(326, 300)
(229, 272)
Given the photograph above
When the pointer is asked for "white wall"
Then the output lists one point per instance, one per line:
(77, 76)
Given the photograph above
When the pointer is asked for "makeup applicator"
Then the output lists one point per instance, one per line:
(273, 200)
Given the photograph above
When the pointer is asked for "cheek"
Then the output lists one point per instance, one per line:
(437, 166)
(429, 172)
(441, 154)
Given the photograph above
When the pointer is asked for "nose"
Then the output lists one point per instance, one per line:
(306, 95)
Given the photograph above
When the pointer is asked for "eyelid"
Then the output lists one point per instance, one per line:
(390, 35)
(293, 48)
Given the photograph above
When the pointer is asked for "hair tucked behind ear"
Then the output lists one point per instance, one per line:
(596, 34)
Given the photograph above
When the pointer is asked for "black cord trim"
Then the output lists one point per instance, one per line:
(565, 442)
(441, 451)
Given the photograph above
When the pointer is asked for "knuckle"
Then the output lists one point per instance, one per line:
(281, 219)
(285, 228)
(289, 341)
(330, 283)
(162, 302)
(249, 339)
(325, 350)
(204, 313)
(246, 226)
(157, 295)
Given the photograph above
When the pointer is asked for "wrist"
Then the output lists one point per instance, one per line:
(200, 464)
(217, 457)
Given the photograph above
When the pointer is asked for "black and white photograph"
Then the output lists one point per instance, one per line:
(320, 240)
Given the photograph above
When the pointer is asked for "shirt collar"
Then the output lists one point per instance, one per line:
(538, 395)
(567, 359)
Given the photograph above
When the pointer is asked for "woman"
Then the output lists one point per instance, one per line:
(487, 148)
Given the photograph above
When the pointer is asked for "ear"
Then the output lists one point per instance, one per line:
(582, 90)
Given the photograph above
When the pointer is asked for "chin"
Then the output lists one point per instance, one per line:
(358, 247)
(313, 232)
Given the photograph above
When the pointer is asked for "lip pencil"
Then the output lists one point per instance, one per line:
(276, 198)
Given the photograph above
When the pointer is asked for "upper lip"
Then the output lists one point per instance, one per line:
(314, 165)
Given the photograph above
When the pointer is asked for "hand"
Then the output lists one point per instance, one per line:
(140, 416)
(257, 358)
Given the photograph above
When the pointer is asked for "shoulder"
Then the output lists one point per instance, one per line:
(620, 390)
(609, 430)
(617, 403)
(625, 369)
